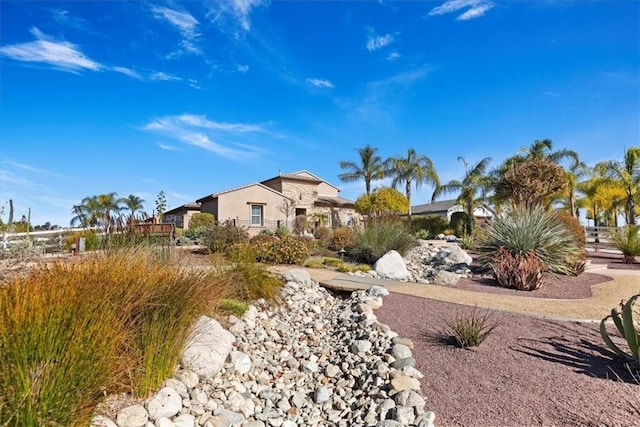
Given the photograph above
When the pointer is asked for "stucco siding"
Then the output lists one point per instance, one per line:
(236, 205)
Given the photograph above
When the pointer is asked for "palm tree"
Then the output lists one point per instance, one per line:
(541, 150)
(87, 213)
(410, 169)
(626, 175)
(97, 211)
(134, 204)
(575, 173)
(475, 179)
(370, 167)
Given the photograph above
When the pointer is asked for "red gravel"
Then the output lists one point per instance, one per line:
(529, 371)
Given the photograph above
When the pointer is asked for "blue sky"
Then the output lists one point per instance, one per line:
(195, 97)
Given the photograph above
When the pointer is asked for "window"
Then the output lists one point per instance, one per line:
(256, 215)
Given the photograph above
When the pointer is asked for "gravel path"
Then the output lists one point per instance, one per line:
(529, 371)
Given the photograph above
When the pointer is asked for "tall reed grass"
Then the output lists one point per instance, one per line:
(112, 322)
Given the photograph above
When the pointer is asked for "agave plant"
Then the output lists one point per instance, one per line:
(627, 242)
(626, 327)
(533, 229)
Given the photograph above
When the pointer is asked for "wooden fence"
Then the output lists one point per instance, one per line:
(598, 237)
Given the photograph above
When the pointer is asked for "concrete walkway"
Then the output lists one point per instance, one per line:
(605, 296)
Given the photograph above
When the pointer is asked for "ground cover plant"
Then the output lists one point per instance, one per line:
(108, 322)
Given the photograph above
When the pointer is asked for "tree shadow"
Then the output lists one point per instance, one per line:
(582, 355)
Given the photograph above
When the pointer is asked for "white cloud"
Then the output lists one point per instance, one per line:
(198, 131)
(128, 72)
(168, 147)
(163, 77)
(240, 10)
(183, 21)
(242, 68)
(60, 54)
(474, 12)
(186, 24)
(377, 42)
(28, 167)
(477, 8)
(393, 56)
(320, 83)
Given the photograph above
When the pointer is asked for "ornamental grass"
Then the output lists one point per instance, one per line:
(71, 332)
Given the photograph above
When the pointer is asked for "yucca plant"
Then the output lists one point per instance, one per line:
(533, 229)
(627, 242)
(626, 326)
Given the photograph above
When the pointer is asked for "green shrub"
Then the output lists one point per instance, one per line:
(467, 241)
(627, 242)
(288, 250)
(202, 219)
(332, 262)
(266, 232)
(249, 281)
(232, 306)
(91, 240)
(433, 224)
(282, 231)
(422, 234)
(379, 237)
(347, 268)
(533, 229)
(470, 329)
(194, 233)
(242, 252)
(220, 237)
(342, 238)
(114, 322)
(314, 264)
(458, 223)
(323, 236)
(626, 326)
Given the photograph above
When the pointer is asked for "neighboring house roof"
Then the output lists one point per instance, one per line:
(429, 208)
(334, 201)
(444, 206)
(186, 206)
(215, 195)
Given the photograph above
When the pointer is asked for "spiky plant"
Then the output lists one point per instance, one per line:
(626, 326)
(628, 242)
(522, 271)
(533, 229)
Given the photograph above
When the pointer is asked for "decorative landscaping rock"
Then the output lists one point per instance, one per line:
(392, 266)
(313, 360)
(132, 416)
(446, 278)
(297, 275)
(453, 255)
(165, 403)
(208, 348)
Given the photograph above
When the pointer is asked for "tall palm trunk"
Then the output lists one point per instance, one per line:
(408, 193)
(631, 210)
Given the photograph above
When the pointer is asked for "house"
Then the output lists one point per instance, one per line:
(272, 203)
(446, 208)
(181, 215)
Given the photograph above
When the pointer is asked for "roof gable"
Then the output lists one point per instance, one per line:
(441, 206)
(242, 187)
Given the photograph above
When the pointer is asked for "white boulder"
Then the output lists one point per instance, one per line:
(207, 348)
(297, 275)
(453, 255)
(392, 266)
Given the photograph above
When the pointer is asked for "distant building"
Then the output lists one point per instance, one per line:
(446, 208)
